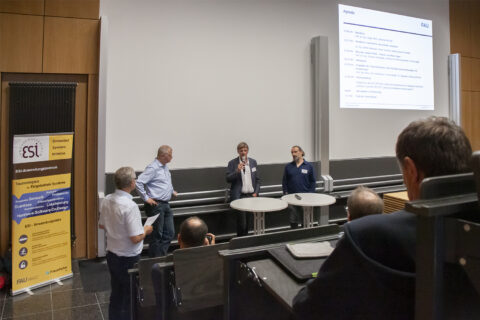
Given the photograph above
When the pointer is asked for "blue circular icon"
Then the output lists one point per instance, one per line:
(23, 251)
(23, 238)
(23, 264)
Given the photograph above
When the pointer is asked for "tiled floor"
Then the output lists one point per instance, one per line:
(57, 302)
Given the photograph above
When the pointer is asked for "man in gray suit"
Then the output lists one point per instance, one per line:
(243, 176)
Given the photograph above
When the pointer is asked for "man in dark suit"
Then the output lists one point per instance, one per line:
(371, 272)
(243, 176)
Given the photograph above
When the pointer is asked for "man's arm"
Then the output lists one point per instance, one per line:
(146, 231)
(143, 179)
(256, 189)
(312, 179)
(232, 173)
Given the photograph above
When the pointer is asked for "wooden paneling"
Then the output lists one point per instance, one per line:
(4, 179)
(466, 119)
(460, 27)
(91, 172)
(81, 153)
(73, 8)
(71, 45)
(475, 28)
(34, 7)
(474, 114)
(21, 39)
(466, 73)
(475, 70)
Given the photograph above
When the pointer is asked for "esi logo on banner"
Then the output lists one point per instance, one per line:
(42, 148)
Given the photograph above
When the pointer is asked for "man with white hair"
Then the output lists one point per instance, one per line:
(155, 187)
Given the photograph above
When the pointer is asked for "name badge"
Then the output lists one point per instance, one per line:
(254, 169)
(305, 171)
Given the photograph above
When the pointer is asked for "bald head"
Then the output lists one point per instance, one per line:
(363, 201)
(192, 233)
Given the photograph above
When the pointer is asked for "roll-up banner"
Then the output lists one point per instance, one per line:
(41, 188)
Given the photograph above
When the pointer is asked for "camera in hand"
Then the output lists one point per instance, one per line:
(209, 238)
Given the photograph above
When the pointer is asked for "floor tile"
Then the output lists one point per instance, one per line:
(35, 316)
(25, 304)
(72, 298)
(68, 284)
(3, 294)
(79, 313)
(104, 308)
(103, 296)
(75, 268)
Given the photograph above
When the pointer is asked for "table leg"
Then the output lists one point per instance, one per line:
(258, 222)
(323, 216)
(307, 217)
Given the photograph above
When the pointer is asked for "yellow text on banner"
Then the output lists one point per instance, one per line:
(60, 147)
(29, 185)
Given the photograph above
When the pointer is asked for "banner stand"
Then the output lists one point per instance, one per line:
(41, 204)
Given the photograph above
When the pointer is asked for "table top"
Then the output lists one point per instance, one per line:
(259, 204)
(309, 199)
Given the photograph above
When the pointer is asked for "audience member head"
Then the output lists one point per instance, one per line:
(431, 147)
(125, 179)
(297, 153)
(193, 233)
(164, 154)
(362, 202)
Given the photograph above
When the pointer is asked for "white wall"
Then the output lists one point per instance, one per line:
(202, 75)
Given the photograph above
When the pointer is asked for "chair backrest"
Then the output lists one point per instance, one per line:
(199, 277)
(146, 290)
(282, 236)
(449, 185)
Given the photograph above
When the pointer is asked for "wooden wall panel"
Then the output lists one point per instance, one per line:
(21, 39)
(466, 73)
(460, 27)
(475, 70)
(34, 7)
(4, 178)
(91, 172)
(71, 45)
(475, 28)
(474, 114)
(73, 8)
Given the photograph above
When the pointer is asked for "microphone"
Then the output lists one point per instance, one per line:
(244, 161)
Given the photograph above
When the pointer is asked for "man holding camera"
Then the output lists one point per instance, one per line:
(194, 233)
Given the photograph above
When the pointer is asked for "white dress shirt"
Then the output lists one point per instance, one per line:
(121, 219)
(247, 186)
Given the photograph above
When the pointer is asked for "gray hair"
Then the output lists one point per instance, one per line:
(364, 201)
(124, 177)
(163, 150)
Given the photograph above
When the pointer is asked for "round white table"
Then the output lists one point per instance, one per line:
(308, 201)
(258, 206)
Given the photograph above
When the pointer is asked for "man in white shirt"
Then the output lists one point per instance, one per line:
(243, 176)
(120, 217)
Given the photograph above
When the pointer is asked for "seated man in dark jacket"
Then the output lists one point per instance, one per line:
(371, 273)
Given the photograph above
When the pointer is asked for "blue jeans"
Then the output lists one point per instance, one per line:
(163, 229)
(118, 266)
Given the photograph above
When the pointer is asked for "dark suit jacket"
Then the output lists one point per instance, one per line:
(371, 275)
(235, 178)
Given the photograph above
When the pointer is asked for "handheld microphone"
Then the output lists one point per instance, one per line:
(244, 161)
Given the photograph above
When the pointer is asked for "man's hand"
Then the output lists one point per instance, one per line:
(174, 194)
(254, 195)
(151, 202)
(148, 230)
(240, 167)
(212, 236)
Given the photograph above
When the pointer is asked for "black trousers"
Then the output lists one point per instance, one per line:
(244, 219)
(118, 266)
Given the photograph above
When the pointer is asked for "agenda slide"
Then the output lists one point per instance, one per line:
(386, 60)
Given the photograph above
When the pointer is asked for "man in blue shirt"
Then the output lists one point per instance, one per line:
(155, 187)
(298, 177)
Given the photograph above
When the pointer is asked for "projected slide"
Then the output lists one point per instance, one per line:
(386, 60)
